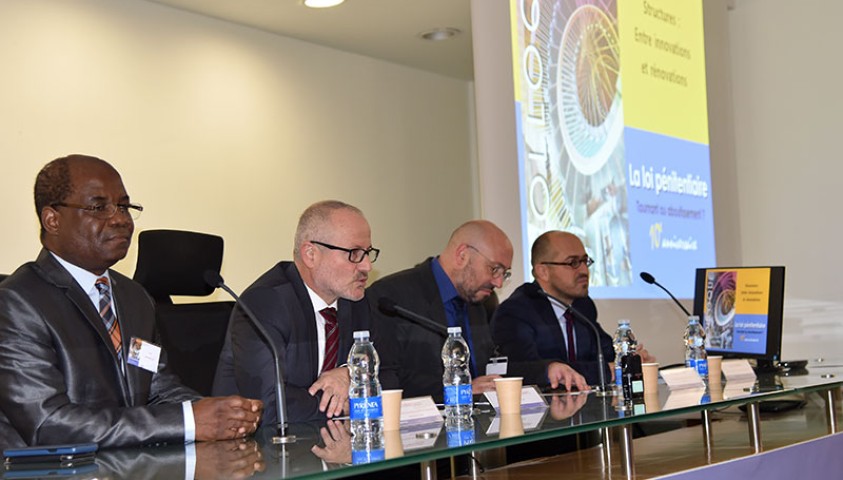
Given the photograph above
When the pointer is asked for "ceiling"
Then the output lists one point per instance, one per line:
(384, 29)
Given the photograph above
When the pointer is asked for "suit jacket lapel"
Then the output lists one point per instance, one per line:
(61, 278)
(584, 339)
(430, 293)
(345, 321)
(551, 322)
(478, 323)
(308, 315)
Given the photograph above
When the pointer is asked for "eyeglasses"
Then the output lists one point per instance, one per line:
(105, 211)
(355, 255)
(496, 269)
(574, 262)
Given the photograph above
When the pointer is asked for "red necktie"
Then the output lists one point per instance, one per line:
(109, 318)
(569, 329)
(332, 338)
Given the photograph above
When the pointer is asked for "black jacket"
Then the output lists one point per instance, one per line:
(526, 328)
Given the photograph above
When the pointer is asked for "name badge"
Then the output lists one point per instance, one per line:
(496, 366)
(143, 354)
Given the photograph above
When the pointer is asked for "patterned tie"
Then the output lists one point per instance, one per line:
(569, 330)
(332, 338)
(109, 318)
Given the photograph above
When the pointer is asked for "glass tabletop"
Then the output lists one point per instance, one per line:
(324, 451)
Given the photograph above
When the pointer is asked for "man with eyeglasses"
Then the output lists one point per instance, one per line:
(310, 307)
(450, 290)
(67, 320)
(529, 326)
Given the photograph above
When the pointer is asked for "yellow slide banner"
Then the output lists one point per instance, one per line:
(663, 66)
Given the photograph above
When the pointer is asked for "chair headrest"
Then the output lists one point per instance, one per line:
(173, 262)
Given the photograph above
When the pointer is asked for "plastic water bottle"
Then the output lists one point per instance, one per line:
(624, 343)
(360, 455)
(364, 395)
(695, 356)
(460, 434)
(457, 380)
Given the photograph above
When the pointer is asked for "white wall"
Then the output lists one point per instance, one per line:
(229, 130)
(496, 140)
(786, 78)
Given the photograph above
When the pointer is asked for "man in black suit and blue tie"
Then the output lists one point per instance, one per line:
(450, 290)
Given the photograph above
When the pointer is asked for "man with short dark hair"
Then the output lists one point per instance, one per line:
(310, 308)
(449, 289)
(529, 326)
(66, 320)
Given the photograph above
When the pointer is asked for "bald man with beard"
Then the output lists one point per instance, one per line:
(450, 290)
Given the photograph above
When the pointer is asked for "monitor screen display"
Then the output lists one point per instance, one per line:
(741, 309)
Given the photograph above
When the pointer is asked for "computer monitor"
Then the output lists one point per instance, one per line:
(741, 309)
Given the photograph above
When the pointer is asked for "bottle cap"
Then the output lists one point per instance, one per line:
(694, 318)
(454, 330)
(623, 321)
(361, 334)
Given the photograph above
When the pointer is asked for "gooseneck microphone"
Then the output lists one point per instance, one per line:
(391, 308)
(604, 390)
(215, 280)
(652, 281)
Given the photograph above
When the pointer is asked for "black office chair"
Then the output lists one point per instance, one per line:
(173, 262)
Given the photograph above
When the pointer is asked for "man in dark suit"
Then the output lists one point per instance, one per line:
(450, 289)
(529, 326)
(63, 374)
(294, 301)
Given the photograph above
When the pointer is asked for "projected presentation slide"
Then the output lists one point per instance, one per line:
(612, 125)
(737, 309)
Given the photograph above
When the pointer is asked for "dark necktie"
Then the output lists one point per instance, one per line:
(569, 330)
(332, 338)
(109, 318)
(461, 316)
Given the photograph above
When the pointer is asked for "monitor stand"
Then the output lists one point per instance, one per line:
(763, 366)
(768, 381)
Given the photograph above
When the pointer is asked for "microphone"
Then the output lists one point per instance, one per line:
(215, 280)
(604, 390)
(652, 281)
(389, 307)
